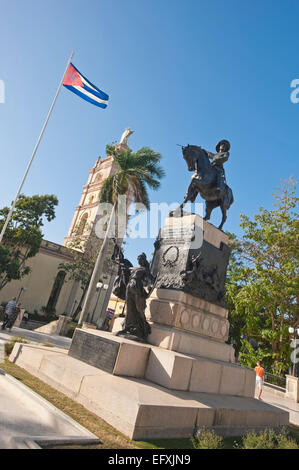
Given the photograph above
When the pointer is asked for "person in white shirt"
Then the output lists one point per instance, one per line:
(9, 310)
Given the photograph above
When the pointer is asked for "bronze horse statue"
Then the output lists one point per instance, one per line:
(204, 182)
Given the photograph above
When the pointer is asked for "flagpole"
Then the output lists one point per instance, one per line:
(35, 150)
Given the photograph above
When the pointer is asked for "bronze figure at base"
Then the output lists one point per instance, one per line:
(135, 280)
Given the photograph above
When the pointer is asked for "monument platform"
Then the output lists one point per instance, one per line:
(140, 408)
(171, 369)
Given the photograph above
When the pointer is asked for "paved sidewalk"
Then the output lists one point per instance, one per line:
(283, 403)
(34, 336)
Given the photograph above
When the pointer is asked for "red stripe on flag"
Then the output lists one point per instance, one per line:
(72, 77)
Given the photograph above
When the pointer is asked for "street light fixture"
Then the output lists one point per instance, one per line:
(100, 285)
(295, 332)
(21, 290)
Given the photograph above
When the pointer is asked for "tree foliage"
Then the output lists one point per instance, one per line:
(263, 282)
(134, 173)
(23, 235)
(84, 255)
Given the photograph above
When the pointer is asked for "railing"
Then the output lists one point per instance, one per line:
(275, 380)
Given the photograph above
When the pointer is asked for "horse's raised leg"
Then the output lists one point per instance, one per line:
(190, 196)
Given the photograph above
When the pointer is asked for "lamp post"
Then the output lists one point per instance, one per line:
(100, 285)
(21, 290)
(295, 332)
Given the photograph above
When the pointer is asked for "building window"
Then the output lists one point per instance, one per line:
(98, 178)
(90, 201)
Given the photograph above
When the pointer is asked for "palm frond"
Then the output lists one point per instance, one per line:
(139, 191)
(135, 172)
(106, 192)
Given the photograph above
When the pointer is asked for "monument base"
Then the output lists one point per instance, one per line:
(171, 369)
(139, 408)
(185, 343)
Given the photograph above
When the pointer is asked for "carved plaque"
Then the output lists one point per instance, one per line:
(94, 350)
(178, 234)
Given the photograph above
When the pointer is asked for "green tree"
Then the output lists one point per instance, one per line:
(263, 288)
(235, 279)
(133, 173)
(84, 254)
(23, 235)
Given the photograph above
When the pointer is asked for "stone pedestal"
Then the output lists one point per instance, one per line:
(292, 388)
(184, 323)
(191, 255)
(187, 310)
(19, 317)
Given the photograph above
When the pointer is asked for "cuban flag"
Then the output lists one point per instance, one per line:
(77, 83)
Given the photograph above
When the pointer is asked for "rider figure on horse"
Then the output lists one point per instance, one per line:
(222, 149)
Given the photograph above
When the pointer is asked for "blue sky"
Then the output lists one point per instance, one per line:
(177, 72)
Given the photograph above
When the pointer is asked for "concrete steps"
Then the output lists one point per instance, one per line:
(171, 369)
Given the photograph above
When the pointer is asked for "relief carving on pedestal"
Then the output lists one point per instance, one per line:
(197, 273)
(170, 256)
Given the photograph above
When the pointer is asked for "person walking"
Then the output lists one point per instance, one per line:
(9, 310)
(260, 378)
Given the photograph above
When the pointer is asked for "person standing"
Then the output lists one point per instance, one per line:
(260, 378)
(9, 310)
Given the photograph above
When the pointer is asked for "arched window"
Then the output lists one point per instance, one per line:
(98, 178)
(82, 223)
(58, 283)
(90, 201)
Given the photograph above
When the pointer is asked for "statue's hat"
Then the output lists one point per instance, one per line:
(226, 142)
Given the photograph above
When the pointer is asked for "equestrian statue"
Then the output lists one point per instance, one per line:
(208, 178)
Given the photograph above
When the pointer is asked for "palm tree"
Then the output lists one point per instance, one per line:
(134, 173)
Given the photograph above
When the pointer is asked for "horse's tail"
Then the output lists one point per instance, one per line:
(228, 198)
